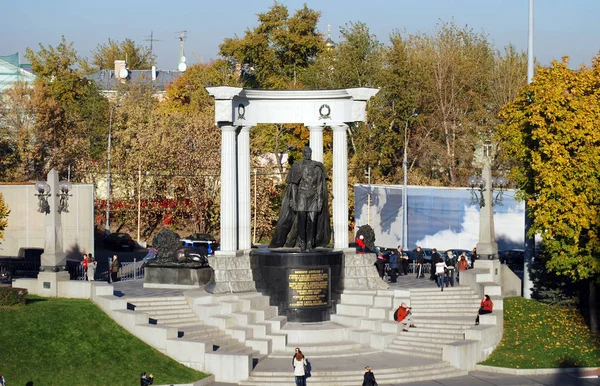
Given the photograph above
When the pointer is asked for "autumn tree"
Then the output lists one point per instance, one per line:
(456, 64)
(69, 113)
(16, 133)
(104, 56)
(4, 212)
(172, 146)
(551, 130)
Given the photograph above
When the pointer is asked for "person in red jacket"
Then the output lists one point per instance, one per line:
(84, 264)
(402, 315)
(360, 244)
(486, 307)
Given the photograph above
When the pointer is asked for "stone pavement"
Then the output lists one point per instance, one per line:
(477, 378)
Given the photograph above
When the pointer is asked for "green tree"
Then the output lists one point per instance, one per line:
(104, 56)
(551, 130)
(278, 50)
(4, 212)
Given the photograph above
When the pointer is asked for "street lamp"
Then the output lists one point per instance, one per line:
(480, 195)
(404, 192)
(107, 225)
(64, 187)
(43, 189)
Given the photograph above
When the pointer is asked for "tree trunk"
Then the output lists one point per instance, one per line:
(592, 306)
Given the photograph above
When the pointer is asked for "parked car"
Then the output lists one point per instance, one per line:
(204, 240)
(514, 258)
(456, 254)
(119, 242)
(196, 254)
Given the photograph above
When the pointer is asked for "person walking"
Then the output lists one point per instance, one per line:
(299, 363)
(369, 377)
(403, 261)
(435, 258)
(451, 264)
(91, 271)
(420, 261)
(440, 271)
(393, 266)
(115, 267)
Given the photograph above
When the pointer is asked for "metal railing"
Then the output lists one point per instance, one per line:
(16, 269)
(130, 270)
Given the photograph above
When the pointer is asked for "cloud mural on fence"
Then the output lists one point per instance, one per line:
(437, 217)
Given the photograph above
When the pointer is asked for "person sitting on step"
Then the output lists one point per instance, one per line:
(486, 307)
(403, 315)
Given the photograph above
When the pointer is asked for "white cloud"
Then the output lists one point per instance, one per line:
(509, 226)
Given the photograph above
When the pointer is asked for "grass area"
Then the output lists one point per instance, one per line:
(540, 336)
(72, 342)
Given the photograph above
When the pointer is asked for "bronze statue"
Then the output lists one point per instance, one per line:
(304, 215)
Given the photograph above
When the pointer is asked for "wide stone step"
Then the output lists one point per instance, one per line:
(353, 378)
(174, 315)
(205, 335)
(454, 290)
(159, 303)
(410, 348)
(166, 311)
(148, 299)
(408, 336)
(422, 343)
(429, 313)
(336, 353)
(177, 321)
(446, 296)
(418, 352)
(443, 304)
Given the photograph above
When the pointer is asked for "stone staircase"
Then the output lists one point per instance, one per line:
(175, 312)
(240, 338)
(441, 317)
(245, 317)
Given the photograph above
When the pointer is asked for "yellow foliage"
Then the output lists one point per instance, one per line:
(551, 129)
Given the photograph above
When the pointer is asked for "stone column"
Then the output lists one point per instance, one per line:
(53, 259)
(243, 188)
(228, 191)
(340, 186)
(487, 246)
(316, 142)
(53, 255)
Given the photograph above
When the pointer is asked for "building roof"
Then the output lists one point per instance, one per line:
(106, 80)
(11, 72)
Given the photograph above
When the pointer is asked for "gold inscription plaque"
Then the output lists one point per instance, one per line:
(308, 288)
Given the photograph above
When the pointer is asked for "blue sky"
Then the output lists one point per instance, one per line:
(562, 28)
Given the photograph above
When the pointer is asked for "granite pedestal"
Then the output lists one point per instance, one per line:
(176, 276)
(305, 286)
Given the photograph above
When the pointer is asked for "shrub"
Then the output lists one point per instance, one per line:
(12, 296)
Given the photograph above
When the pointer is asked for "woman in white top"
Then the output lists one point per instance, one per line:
(440, 271)
(300, 368)
(91, 271)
